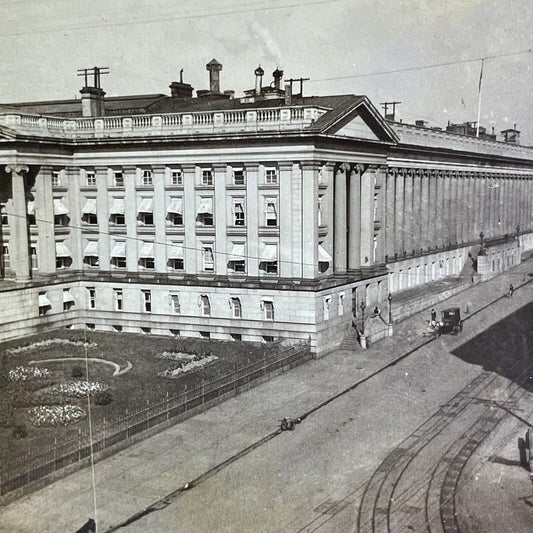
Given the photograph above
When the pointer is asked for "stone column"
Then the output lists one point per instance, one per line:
(130, 216)
(44, 213)
(17, 212)
(328, 208)
(285, 218)
(432, 210)
(398, 212)
(160, 215)
(425, 239)
(367, 216)
(296, 220)
(252, 219)
(408, 212)
(460, 206)
(354, 218)
(417, 211)
(380, 184)
(102, 210)
(339, 259)
(221, 258)
(189, 219)
(310, 170)
(389, 216)
(439, 208)
(446, 195)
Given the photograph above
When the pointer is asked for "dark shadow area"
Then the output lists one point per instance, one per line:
(506, 348)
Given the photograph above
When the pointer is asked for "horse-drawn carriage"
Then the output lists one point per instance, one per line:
(450, 323)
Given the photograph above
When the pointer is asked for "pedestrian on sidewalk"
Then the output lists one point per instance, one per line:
(511, 290)
(433, 316)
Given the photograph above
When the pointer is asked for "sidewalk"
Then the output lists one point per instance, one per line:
(133, 479)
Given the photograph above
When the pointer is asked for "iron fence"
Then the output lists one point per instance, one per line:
(52, 458)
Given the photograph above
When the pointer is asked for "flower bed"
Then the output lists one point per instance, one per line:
(177, 356)
(25, 373)
(79, 389)
(183, 368)
(53, 415)
(50, 342)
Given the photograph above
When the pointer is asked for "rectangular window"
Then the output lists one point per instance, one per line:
(205, 305)
(118, 219)
(91, 260)
(92, 297)
(56, 181)
(269, 267)
(327, 305)
(207, 177)
(175, 308)
(44, 304)
(68, 300)
(236, 307)
(90, 178)
(341, 304)
(271, 176)
(147, 263)
(61, 220)
(271, 212)
(237, 266)
(118, 262)
(90, 218)
(208, 259)
(118, 178)
(268, 310)
(176, 178)
(63, 262)
(3, 215)
(147, 219)
(320, 214)
(34, 258)
(238, 212)
(176, 264)
(176, 219)
(118, 299)
(146, 177)
(238, 176)
(147, 300)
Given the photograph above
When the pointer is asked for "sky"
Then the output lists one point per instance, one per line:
(344, 46)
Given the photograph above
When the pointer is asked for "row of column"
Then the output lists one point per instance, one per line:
(435, 209)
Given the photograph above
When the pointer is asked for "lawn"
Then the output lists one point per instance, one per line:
(129, 390)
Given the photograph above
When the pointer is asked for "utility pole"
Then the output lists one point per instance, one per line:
(301, 81)
(386, 105)
(96, 72)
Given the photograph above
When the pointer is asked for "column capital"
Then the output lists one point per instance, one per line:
(252, 165)
(129, 168)
(220, 166)
(342, 168)
(16, 168)
(159, 168)
(285, 165)
(188, 167)
(101, 168)
(310, 165)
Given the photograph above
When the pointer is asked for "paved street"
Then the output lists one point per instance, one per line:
(380, 457)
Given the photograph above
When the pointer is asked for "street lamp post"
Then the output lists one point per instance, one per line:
(363, 305)
(389, 299)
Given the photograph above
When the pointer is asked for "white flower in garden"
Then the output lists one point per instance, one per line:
(174, 372)
(23, 373)
(52, 415)
(79, 389)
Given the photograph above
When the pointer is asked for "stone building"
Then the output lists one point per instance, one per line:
(269, 216)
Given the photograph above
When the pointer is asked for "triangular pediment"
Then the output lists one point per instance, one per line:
(363, 121)
(357, 128)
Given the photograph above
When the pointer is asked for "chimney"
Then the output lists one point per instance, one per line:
(277, 74)
(92, 101)
(288, 94)
(259, 72)
(511, 136)
(178, 89)
(214, 67)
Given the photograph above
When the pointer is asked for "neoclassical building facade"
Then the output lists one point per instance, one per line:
(256, 218)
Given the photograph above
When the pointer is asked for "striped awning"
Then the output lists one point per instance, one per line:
(67, 297)
(323, 256)
(62, 250)
(175, 251)
(119, 250)
(44, 301)
(237, 253)
(91, 250)
(206, 206)
(147, 250)
(90, 207)
(269, 252)
(117, 207)
(146, 206)
(59, 207)
(176, 206)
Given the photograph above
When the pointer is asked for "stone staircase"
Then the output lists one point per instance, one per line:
(350, 342)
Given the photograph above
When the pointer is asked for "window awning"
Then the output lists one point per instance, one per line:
(206, 206)
(237, 253)
(119, 250)
(59, 207)
(323, 256)
(91, 250)
(44, 301)
(146, 206)
(31, 207)
(176, 206)
(175, 251)
(147, 250)
(90, 207)
(67, 297)
(269, 252)
(62, 250)
(117, 207)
